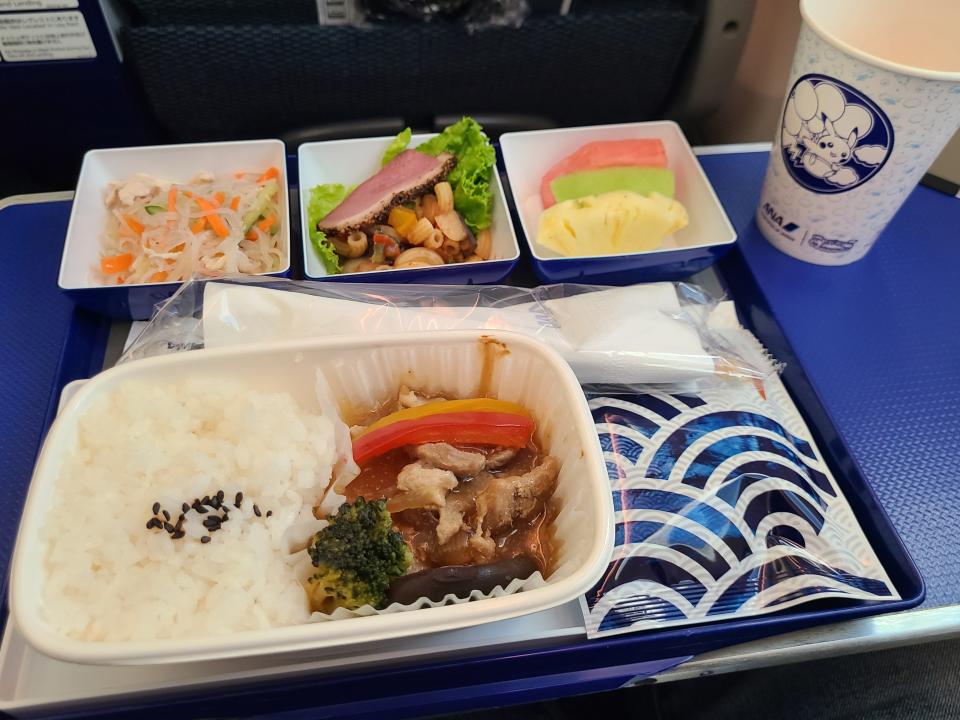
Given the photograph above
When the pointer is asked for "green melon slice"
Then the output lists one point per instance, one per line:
(641, 180)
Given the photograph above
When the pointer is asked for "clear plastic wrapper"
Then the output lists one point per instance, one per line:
(724, 507)
(659, 333)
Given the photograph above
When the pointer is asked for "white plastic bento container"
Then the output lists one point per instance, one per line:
(88, 217)
(350, 162)
(361, 373)
(527, 157)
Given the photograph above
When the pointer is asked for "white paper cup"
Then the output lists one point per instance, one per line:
(873, 96)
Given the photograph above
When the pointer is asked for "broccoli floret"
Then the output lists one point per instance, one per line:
(356, 557)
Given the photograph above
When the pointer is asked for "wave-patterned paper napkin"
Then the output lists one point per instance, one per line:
(724, 509)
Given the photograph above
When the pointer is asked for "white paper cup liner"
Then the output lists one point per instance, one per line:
(517, 585)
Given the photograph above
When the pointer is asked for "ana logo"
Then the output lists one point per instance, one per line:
(777, 218)
(832, 137)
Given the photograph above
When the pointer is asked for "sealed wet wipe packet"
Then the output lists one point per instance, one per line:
(724, 508)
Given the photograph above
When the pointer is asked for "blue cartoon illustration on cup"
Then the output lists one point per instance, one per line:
(833, 138)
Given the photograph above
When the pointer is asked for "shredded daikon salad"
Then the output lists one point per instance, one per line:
(164, 231)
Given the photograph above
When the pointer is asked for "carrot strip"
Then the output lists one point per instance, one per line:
(235, 203)
(197, 225)
(251, 235)
(116, 263)
(218, 225)
(219, 198)
(158, 276)
(270, 173)
(133, 224)
(267, 222)
(172, 199)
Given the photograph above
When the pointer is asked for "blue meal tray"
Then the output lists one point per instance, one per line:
(48, 343)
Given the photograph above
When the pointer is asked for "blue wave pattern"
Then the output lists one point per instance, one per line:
(717, 508)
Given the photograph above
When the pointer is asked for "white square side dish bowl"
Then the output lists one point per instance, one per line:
(350, 162)
(527, 156)
(88, 216)
(361, 373)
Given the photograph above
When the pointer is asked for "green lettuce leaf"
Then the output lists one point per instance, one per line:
(396, 146)
(323, 199)
(472, 196)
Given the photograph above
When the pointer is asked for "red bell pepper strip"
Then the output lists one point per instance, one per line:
(456, 428)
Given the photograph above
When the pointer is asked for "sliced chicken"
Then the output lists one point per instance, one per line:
(459, 504)
(499, 457)
(451, 522)
(447, 457)
(127, 192)
(421, 487)
(505, 499)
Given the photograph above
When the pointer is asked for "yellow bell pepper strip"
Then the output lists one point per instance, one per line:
(402, 220)
(479, 421)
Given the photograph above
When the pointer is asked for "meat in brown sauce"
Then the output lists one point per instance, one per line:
(510, 497)
(493, 516)
(442, 455)
(421, 486)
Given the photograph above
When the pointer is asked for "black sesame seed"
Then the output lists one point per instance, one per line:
(220, 495)
(156, 508)
(206, 500)
(224, 517)
(211, 522)
(237, 500)
(215, 503)
(256, 510)
(205, 539)
(269, 513)
(179, 526)
(177, 535)
(150, 523)
(169, 528)
(201, 509)
(184, 508)
(166, 515)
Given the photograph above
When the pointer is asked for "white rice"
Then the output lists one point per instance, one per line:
(108, 578)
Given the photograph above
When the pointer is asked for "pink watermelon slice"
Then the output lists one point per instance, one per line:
(645, 152)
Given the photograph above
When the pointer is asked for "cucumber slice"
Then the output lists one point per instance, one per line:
(260, 204)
